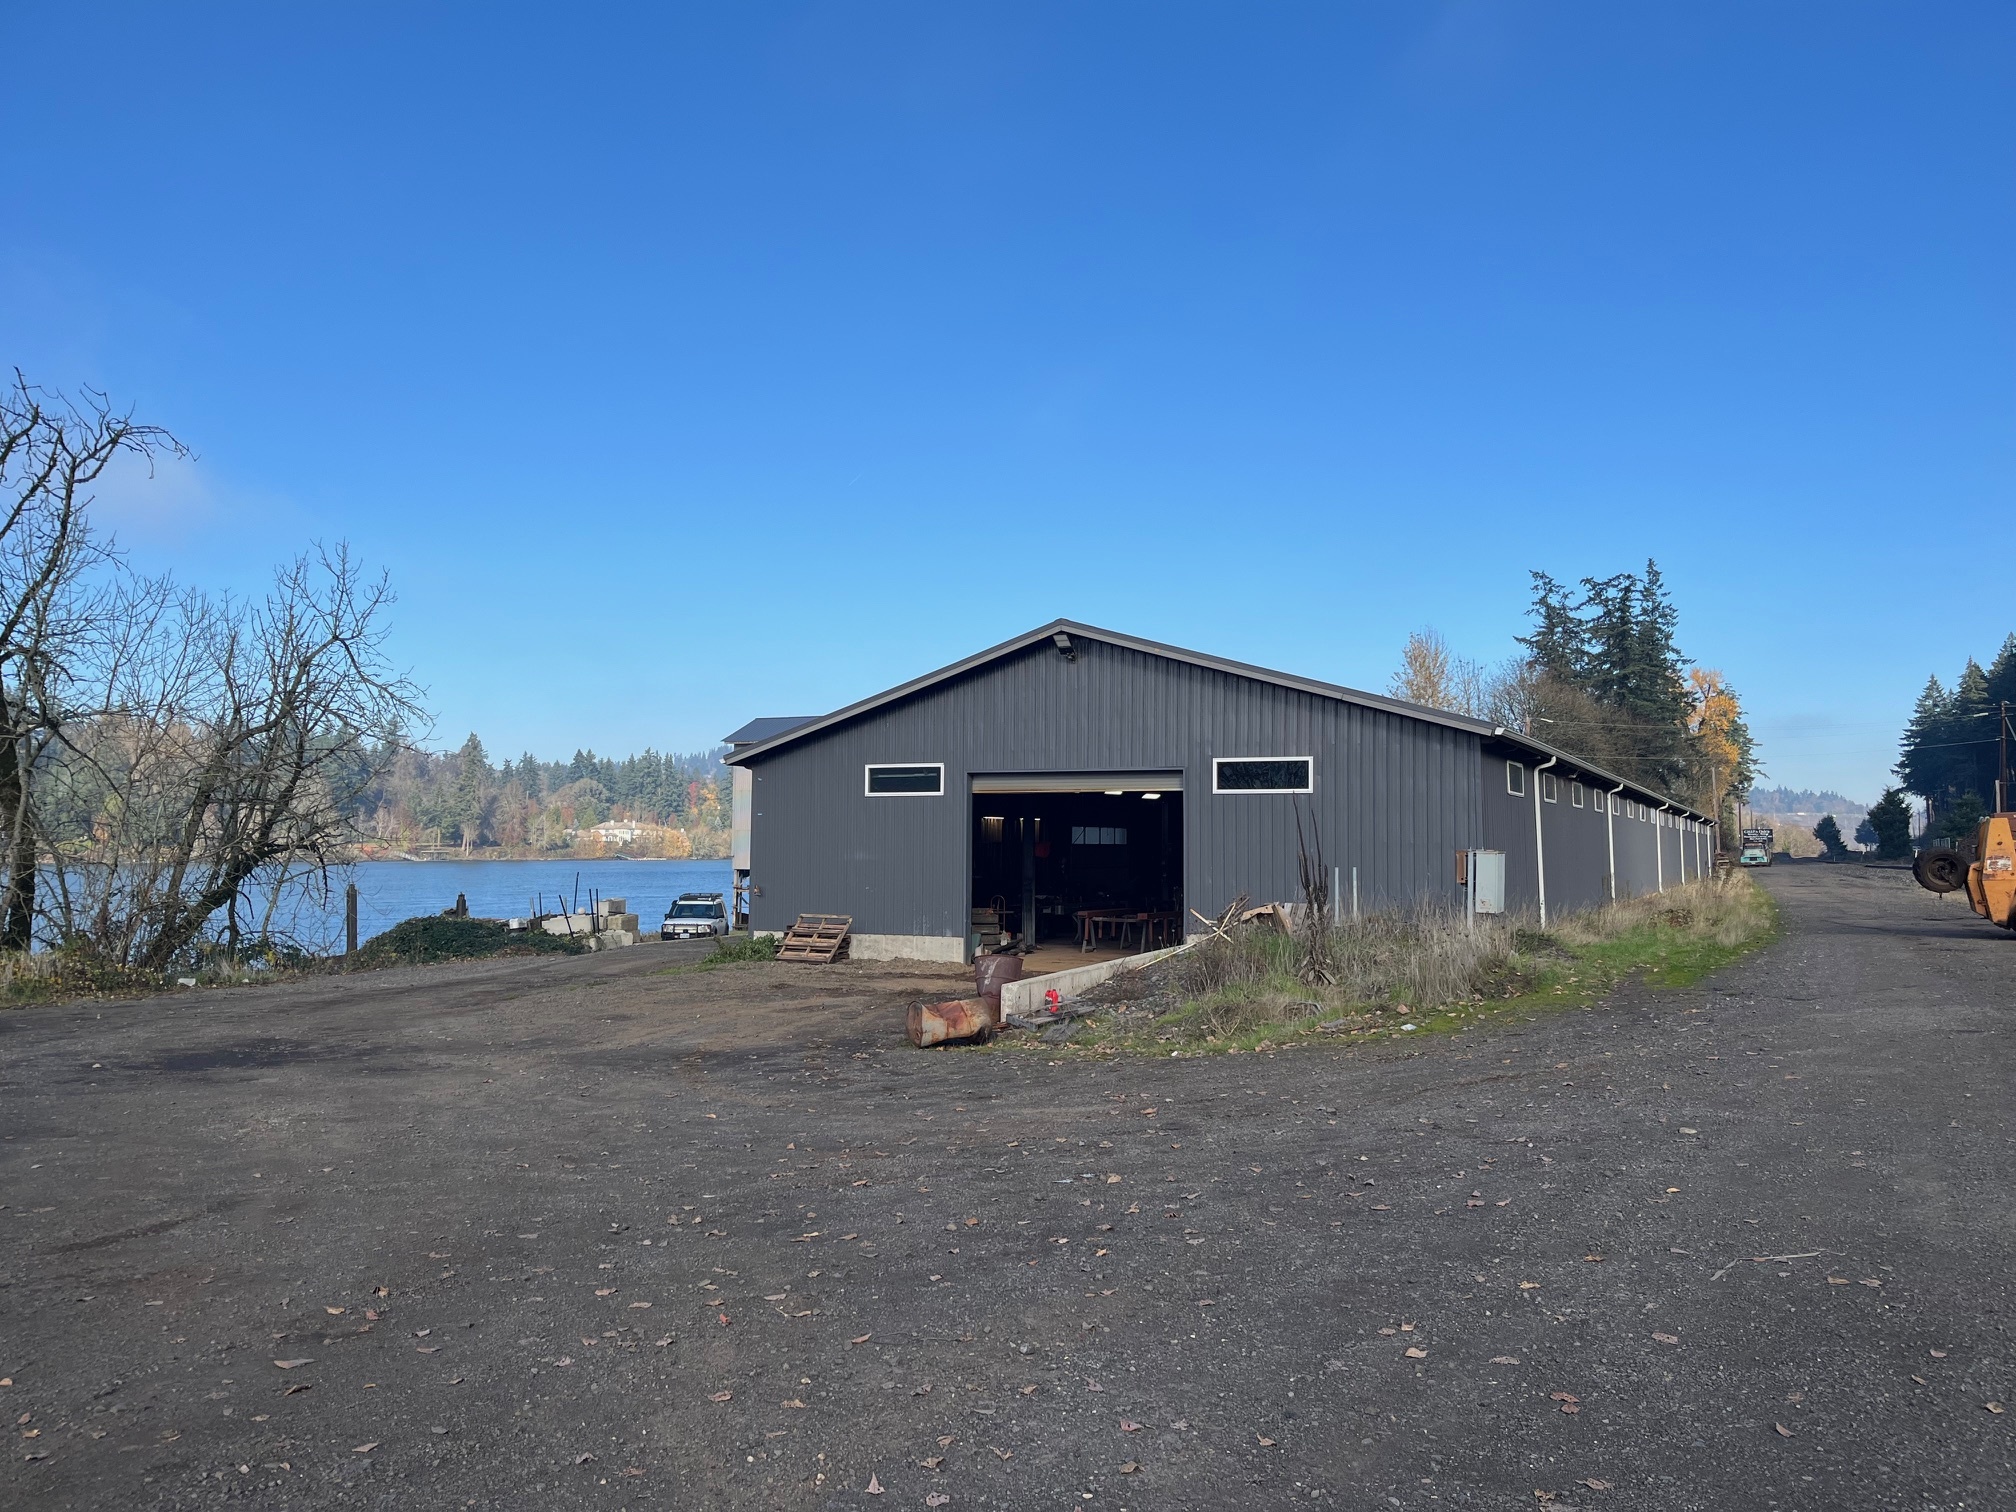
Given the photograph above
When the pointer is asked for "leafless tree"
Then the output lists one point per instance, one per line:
(54, 597)
(222, 777)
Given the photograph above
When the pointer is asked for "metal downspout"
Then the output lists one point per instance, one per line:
(1659, 843)
(1610, 834)
(1540, 839)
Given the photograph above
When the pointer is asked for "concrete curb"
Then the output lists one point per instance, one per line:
(1026, 994)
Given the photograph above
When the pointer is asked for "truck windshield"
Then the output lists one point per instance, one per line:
(695, 910)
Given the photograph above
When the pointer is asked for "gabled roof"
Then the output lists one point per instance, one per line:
(769, 728)
(796, 730)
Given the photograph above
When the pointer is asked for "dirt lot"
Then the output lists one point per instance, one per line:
(589, 1233)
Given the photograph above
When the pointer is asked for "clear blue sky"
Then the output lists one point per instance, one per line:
(688, 365)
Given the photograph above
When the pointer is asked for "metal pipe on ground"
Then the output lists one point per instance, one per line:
(942, 1023)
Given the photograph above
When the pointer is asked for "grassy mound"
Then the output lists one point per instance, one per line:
(437, 937)
(743, 948)
(1427, 969)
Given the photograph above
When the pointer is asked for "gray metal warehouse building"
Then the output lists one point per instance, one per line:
(1076, 769)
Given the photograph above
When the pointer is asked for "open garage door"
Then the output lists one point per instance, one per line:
(1085, 861)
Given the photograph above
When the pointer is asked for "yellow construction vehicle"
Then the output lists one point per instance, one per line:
(1989, 875)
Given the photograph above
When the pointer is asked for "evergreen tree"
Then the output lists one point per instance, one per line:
(472, 784)
(1890, 823)
(1559, 644)
(1828, 833)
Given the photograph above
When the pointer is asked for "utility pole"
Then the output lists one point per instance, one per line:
(2002, 761)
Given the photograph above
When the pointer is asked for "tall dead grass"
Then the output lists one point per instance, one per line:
(1422, 959)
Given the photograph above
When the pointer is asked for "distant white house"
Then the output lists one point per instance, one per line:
(618, 832)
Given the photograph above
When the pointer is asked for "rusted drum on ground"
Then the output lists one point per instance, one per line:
(939, 1023)
(990, 972)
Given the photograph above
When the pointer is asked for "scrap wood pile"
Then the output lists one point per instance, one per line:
(817, 939)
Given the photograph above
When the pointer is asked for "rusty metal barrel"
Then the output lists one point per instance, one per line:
(990, 972)
(960, 1019)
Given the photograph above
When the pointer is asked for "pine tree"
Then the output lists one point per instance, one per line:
(1890, 819)
(1559, 644)
(1828, 833)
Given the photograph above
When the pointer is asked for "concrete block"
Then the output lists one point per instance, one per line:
(609, 906)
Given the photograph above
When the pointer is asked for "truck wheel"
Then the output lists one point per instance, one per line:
(1940, 871)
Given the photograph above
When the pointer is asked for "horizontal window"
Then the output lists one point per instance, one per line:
(1098, 834)
(1261, 774)
(1515, 779)
(891, 781)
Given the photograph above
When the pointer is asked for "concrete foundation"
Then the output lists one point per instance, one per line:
(885, 947)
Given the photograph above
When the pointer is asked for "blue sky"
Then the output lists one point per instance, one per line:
(683, 365)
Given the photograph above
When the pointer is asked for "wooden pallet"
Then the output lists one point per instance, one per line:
(818, 939)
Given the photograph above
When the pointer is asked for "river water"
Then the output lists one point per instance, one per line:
(388, 891)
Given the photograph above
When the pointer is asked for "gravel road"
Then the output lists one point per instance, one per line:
(595, 1233)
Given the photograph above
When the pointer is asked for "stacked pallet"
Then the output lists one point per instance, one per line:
(816, 939)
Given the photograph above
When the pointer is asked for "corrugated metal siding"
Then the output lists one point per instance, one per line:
(1394, 797)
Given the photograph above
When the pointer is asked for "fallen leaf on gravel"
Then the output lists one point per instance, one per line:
(721, 1396)
(1937, 1354)
(776, 1296)
(1406, 1328)
(1594, 1484)
(582, 1459)
(1265, 1442)
(1504, 1360)
(292, 1364)
(1872, 1282)
(335, 1312)
(1665, 1338)
(1837, 1280)
(874, 1487)
(1597, 1258)
(297, 1388)
(794, 1402)
(1414, 1352)
(1006, 1454)
(428, 1349)
(365, 1448)
(1387, 1333)
(933, 1462)
(605, 1291)
(633, 1469)
(862, 1340)
(1028, 1391)
(564, 1361)
(1783, 1431)
(421, 1333)
(936, 1499)
(1132, 1467)
(1127, 1427)
(1995, 1407)
(1529, 1286)
(371, 1313)
(945, 1442)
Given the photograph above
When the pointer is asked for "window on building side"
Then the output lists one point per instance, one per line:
(920, 781)
(1098, 834)
(1262, 774)
(1550, 790)
(1515, 779)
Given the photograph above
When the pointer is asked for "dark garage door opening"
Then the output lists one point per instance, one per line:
(1093, 860)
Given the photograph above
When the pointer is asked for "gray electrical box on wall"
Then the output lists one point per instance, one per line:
(1486, 873)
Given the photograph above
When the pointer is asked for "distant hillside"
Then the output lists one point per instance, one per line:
(1795, 801)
